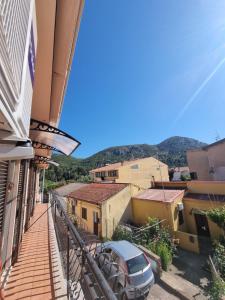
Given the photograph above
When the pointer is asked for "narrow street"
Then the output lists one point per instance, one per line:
(159, 293)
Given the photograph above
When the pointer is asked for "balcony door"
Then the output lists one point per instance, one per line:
(20, 207)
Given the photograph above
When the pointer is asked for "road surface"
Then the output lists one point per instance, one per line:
(159, 293)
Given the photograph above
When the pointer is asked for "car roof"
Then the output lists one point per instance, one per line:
(124, 248)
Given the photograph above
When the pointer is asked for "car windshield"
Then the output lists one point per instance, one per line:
(137, 264)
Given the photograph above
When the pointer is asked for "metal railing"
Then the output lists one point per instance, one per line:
(84, 279)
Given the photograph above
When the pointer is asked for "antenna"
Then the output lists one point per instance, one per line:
(217, 138)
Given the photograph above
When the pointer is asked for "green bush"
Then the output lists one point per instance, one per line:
(219, 258)
(217, 215)
(217, 289)
(163, 251)
(121, 233)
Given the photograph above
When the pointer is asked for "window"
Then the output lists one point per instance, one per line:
(84, 213)
(98, 174)
(134, 167)
(137, 264)
(113, 173)
(181, 217)
(194, 175)
(73, 209)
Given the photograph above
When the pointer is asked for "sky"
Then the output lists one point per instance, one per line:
(145, 70)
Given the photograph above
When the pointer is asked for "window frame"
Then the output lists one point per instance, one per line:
(84, 215)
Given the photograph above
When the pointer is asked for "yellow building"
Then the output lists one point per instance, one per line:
(184, 212)
(142, 172)
(165, 205)
(201, 197)
(207, 163)
(101, 207)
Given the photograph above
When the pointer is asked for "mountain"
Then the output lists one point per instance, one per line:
(172, 151)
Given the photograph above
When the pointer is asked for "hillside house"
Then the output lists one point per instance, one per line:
(141, 172)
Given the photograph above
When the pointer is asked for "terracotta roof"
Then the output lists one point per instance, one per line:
(159, 195)
(115, 166)
(97, 192)
(206, 197)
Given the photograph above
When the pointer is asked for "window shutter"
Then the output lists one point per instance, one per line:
(3, 186)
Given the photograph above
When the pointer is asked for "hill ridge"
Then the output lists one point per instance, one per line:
(171, 151)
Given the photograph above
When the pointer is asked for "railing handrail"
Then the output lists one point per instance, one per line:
(103, 284)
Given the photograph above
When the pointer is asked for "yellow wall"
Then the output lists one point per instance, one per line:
(198, 162)
(111, 212)
(89, 223)
(142, 209)
(189, 204)
(204, 161)
(187, 241)
(143, 174)
(117, 209)
(206, 187)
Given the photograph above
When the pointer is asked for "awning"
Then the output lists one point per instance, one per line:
(45, 136)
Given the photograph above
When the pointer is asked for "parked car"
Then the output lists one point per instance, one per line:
(126, 268)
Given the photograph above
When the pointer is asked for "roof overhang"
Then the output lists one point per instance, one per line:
(57, 25)
(47, 137)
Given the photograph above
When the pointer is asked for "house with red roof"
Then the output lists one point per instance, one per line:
(102, 206)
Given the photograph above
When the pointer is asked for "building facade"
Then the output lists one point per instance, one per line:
(37, 45)
(207, 163)
(183, 212)
(102, 206)
(165, 205)
(141, 172)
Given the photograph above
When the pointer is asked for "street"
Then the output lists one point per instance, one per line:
(159, 293)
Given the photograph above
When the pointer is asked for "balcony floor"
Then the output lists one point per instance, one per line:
(35, 274)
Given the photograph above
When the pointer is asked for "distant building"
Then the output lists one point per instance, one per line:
(102, 206)
(179, 173)
(142, 172)
(207, 163)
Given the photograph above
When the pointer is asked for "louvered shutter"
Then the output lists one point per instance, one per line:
(19, 213)
(3, 186)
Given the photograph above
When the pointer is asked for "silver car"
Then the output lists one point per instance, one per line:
(126, 268)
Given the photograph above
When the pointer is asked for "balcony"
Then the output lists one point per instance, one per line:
(37, 273)
(54, 262)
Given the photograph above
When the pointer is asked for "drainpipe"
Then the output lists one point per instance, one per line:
(43, 186)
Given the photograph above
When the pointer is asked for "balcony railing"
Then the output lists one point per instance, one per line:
(84, 278)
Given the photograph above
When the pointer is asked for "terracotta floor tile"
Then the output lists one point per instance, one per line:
(31, 276)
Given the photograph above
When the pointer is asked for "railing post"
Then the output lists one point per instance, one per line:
(55, 211)
(68, 261)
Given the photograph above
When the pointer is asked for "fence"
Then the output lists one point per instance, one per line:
(84, 279)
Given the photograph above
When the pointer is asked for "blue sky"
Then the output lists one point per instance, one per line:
(145, 70)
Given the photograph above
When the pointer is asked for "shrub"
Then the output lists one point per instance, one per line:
(163, 251)
(121, 233)
(217, 289)
(217, 215)
(219, 258)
